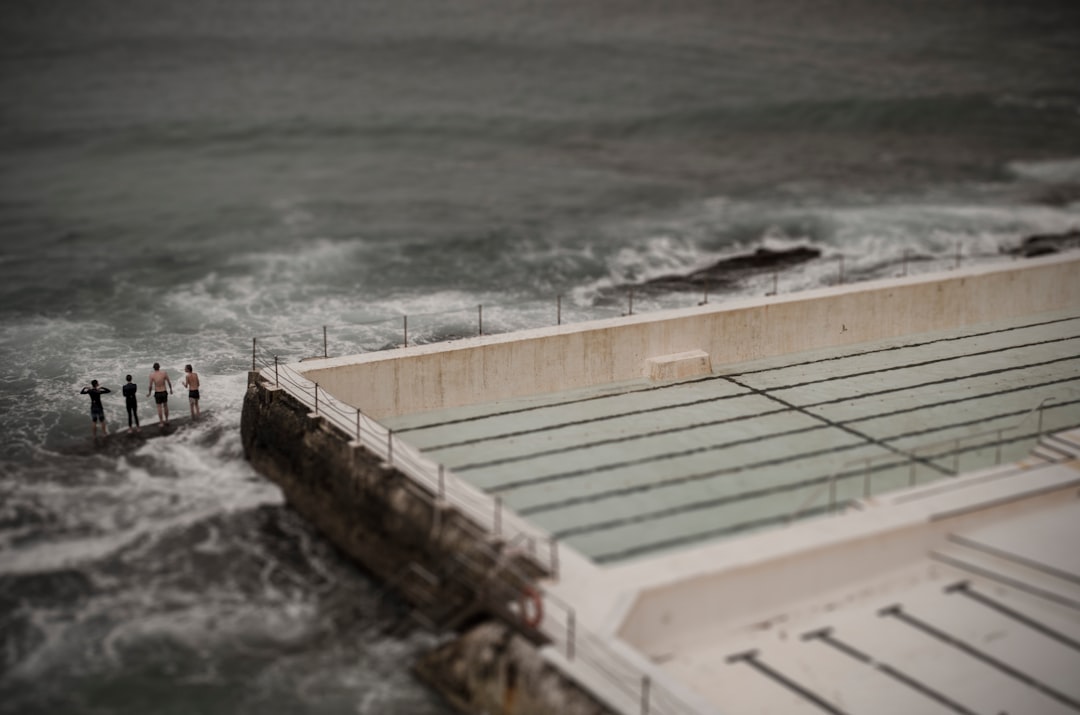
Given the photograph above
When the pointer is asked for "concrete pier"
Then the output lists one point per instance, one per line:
(675, 512)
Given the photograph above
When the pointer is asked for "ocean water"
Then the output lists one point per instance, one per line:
(178, 178)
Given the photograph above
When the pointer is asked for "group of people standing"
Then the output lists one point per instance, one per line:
(160, 386)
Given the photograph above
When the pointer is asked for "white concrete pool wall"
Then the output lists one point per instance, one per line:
(557, 358)
(713, 591)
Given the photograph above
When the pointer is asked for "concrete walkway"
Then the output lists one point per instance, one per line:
(638, 468)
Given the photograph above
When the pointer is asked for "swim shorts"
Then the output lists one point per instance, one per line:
(97, 414)
(161, 397)
(193, 394)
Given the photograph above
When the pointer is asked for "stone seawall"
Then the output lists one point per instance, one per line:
(456, 575)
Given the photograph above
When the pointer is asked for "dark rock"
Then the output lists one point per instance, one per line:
(735, 268)
(1042, 244)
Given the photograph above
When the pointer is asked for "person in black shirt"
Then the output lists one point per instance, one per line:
(97, 412)
(129, 390)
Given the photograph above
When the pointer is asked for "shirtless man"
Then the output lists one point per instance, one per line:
(191, 382)
(158, 380)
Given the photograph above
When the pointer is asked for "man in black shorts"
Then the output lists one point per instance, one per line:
(129, 391)
(97, 411)
(158, 380)
(191, 382)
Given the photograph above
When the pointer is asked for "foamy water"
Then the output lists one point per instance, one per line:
(178, 179)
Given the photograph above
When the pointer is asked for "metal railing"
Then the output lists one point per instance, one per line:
(476, 320)
(559, 624)
(923, 454)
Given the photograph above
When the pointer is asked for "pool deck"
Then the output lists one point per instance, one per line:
(854, 529)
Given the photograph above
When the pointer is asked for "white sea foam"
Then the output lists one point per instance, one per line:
(1060, 171)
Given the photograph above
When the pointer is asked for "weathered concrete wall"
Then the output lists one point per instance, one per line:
(376, 516)
(369, 510)
(491, 669)
(567, 357)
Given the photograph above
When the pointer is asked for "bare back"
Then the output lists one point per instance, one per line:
(158, 380)
(191, 381)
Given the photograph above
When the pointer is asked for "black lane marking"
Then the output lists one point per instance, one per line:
(893, 437)
(825, 635)
(520, 483)
(945, 381)
(697, 505)
(898, 613)
(964, 588)
(857, 471)
(924, 363)
(869, 439)
(711, 533)
(804, 363)
(969, 398)
(804, 409)
(585, 421)
(612, 556)
(751, 659)
(722, 398)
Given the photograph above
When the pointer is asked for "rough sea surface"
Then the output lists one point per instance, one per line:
(179, 177)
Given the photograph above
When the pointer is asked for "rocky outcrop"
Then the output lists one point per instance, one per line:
(491, 669)
(735, 268)
(1046, 243)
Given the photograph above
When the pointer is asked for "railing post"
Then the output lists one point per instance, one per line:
(480, 317)
(405, 329)
(390, 447)
(558, 309)
(630, 308)
(253, 354)
(275, 371)
(324, 341)
(442, 483)
(316, 398)
(553, 548)
(358, 425)
(646, 685)
(571, 634)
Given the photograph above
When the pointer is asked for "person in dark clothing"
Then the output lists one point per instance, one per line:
(97, 411)
(129, 390)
